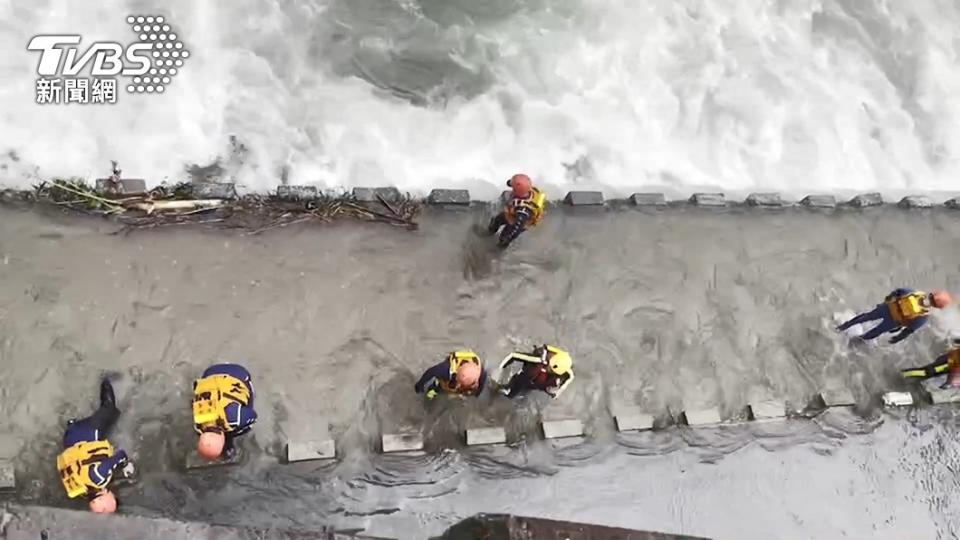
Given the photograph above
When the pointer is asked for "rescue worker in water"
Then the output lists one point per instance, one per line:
(547, 368)
(947, 363)
(460, 374)
(88, 460)
(524, 210)
(222, 409)
(903, 309)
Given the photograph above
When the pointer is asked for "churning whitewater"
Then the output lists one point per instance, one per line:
(789, 95)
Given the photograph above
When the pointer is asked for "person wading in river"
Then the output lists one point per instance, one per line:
(459, 374)
(222, 409)
(904, 310)
(548, 369)
(947, 364)
(524, 210)
(88, 460)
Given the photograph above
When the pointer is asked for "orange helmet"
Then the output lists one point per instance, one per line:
(941, 299)
(521, 185)
(210, 446)
(104, 503)
(468, 375)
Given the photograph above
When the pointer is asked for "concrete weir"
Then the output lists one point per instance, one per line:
(405, 442)
(897, 399)
(455, 198)
(584, 198)
(769, 409)
(945, 395)
(701, 417)
(819, 201)
(648, 199)
(837, 397)
(321, 449)
(485, 436)
(337, 321)
(559, 429)
(449, 197)
(633, 419)
(367, 194)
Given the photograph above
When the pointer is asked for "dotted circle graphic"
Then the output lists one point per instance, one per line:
(166, 49)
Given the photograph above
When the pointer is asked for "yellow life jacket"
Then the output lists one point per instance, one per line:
(212, 394)
(908, 307)
(536, 202)
(456, 359)
(72, 465)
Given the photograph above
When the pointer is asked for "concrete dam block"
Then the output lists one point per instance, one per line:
(8, 478)
(770, 409)
(915, 201)
(633, 419)
(584, 198)
(704, 417)
(819, 201)
(838, 397)
(648, 199)
(556, 429)
(127, 185)
(449, 196)
(898, 399)
(708, 199)
(866, 199)
(487, 435)
(366, 194)
(311, 450)
(401, 442)
(941, 396)
(213, 190)
(765, 199)
(297, 193)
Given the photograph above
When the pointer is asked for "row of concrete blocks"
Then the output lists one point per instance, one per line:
(461, 197)
(627, 419)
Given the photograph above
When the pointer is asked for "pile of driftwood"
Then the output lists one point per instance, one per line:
(173, 205)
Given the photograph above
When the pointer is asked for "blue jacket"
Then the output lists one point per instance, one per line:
(441, 372)
(239, 418)
(915, 324)
(101, 472)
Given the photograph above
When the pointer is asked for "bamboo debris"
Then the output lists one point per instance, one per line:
(173, 205)
(151, 206)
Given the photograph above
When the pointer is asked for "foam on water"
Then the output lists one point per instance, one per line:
(791, 95)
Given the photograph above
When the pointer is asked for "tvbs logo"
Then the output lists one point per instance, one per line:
(150, 63)
(108, 57)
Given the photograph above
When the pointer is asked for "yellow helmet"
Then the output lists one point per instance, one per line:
(560, 362)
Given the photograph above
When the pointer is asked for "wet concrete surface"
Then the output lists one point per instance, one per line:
(667, 309)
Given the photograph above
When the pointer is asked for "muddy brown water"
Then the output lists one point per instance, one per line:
(668, 309)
